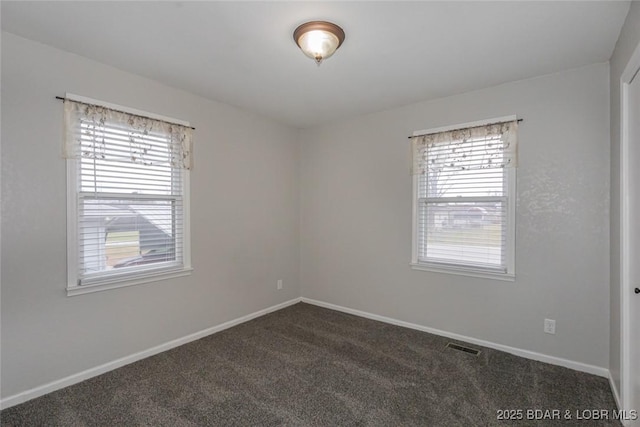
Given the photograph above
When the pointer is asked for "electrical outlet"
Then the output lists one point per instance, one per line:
(549, 326)
(279, 285)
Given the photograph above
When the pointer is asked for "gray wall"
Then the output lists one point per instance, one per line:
(356, 218)
(331, 212)
(244, 200)
(627, 42)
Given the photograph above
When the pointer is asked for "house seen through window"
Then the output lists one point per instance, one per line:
(464, 199)
(128, 187)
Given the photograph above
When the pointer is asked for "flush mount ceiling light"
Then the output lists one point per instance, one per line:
(318, 39)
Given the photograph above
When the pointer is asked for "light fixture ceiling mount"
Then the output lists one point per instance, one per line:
(318, 39)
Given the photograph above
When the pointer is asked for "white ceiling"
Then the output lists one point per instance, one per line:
(395, 53)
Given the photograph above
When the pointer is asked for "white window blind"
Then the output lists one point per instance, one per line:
(130, 195)
(464, 186)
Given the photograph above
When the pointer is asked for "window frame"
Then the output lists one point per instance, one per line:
(145, 274)
(510, 240)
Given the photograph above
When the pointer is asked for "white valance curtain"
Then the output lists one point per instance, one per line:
(480, 147)
(93, 131)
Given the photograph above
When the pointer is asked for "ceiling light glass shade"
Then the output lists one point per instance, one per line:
(318, 39)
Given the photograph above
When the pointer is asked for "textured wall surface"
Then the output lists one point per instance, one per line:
(356, 218)
(244, 221)
(328, 210)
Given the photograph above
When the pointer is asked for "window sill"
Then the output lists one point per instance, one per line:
(105, 285)
(461, 271)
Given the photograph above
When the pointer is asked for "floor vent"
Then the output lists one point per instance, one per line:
(462, 348)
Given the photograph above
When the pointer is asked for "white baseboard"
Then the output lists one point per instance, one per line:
(614, 390)
(578, 366)
(109, 366)
(616, 397)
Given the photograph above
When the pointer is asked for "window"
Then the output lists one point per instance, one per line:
(128, 196)
(464, 199)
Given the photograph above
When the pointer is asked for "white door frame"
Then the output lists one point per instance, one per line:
(625, 280)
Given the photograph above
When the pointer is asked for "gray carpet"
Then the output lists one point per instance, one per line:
(309, 366)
